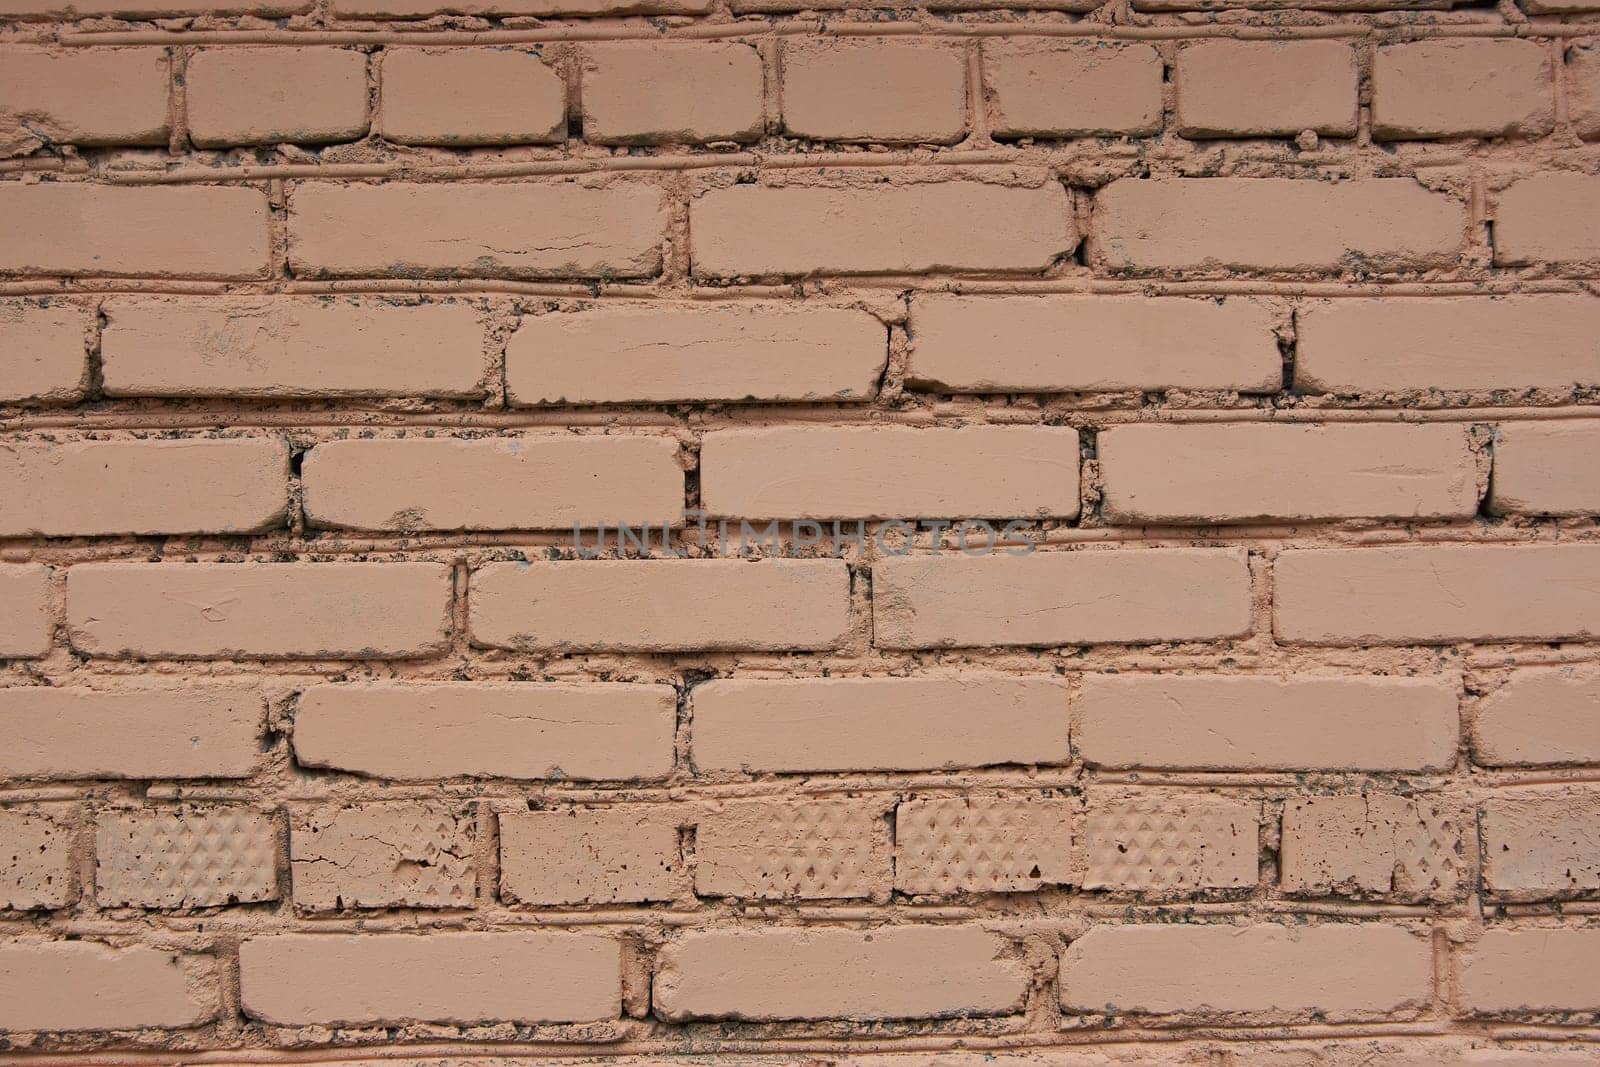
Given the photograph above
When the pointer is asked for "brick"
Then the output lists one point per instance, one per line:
(36, 862)
(952, 225)
(623, 854)
(281, 347)
(1241, 473)
(794, 850)
(525, 482)
(267, 610)
(185, 859)
(1437, 594)
(1384, 345)
(103, 96)
(1581, 73)
(821, 972)
(79, 9)
(977, 844)
(1125, 596)
(1458, 87)
(84, 985)
(194, 730)
(655, 92)
(470, 96)
(522, 230)
(1542, 847)
(44, 352)
(1375, 845)
(142, 486)
(1091, 343)
(1169, 844)
(655, 353)
(163, 231)
(406, 9)
(874, 89)
(807, 472)
(1547, 218)
(1274, 224)
(1544, 469)
(1333, 971)
(1264, 88)
(974, 719)
(661, 605)
(1239, 722)
(26, 621)
(1049, 88)
(442, 977)
(488, 730)
(382, 856)
(1540, 717)
(276, 96)
(1553, 969)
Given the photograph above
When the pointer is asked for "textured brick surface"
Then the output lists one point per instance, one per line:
(186, 859)
(1374, 845)
(1541, 846)
(983, 844)
(1170, 844)
(820, 849)
(382, 856)
(623, 854)
(35, 861)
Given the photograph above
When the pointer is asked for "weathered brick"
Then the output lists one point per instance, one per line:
(276, 95)
(1436, 594)
(101, 96)
(1051, 88)
(36, 862)
(487, 729)
(1581, 73)
(185, 859)
(26, 620)
(1242, 722)
(660, 605)
(1459, 87)
(875, 89)
(410, 9)
(382, 856)
(1274, 224)
(622, 854)
(801, 472)
(1126, 596)
(44, 352)
(470, 96)
(1163, 843)
(1555, 969)
(85, 985)
(1546, 468)
(1375, 845)
(1548, 218)
(443, 977)
(76, 9)
(269, 610)
(821, 972)
(1542, 846)
(786, 849)
(979, 844)
(1254, 88)
(1240, 473)
(656, 353)
(656, 92)
(1540, 717)
(972, 719)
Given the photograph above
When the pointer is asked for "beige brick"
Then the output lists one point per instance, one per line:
(1052, 88)
(794, 850)
(658, 353)
(1242, 722)
(661, 605)
(521, 230)
(526, 482)
(1125, 596)
(1241, 473)
(637, 92)
(951, 225)
(382, 856)
(623, 854)
(470, 96)
(1437, 594)
(1540, 717)
(806, 472)
(192, 730)
(163, 231)
(36, 862)
(1169, 844)
(43, 352)
(26, 620)
(1273, 224)
(280, 347)
(460, 978)
(874, 89)
(488, 730)
(84, 985)
(1254, 88)
(973, 719)
(891, 972)
(74, 9)
(979, 844)
(142, 486)
(1375, 845)
(185, 859)
(1581, 73)
(407, 9)
(276, 95)
(1546, 468)
(1459, 87)
(1090, 343)
(104, 96)
(269, 610)
(1382, 345)
(1335, 971)
(1548, 218)
(1554, 969)
(1542, 846)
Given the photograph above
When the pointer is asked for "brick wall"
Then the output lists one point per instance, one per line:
(1267, 731)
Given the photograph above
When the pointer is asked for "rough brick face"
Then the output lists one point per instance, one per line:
(472, 96)
(649, 93)
(947, 845)
(627, 853)
(821, 849)
(186, 859)
(382, 856)
(1541, 847)
(1166, 845)
(45, 351)
(35, 861)
(874, 90)
(1456, 88)
(1540, 717)
(273, 95)
(1046, 88)
(1252, 88)
(1374, 845)
(103, 97)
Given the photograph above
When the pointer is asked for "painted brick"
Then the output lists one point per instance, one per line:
(409, 9)
(1542, 847)
(470, 96)
(44, 352)
(1531, 969)
(1538, 718)
(978, 844)
(783, 849)
(1375, 845)
(276, 95)
(623, 854)
(150, 8)
(1546, 469)
(1254, 88)
(1050, 88)
(26, 620)
(888, 90)
(185, 859)
(1170, 844)
(671, 92)
(36, 862)
(85, 985)
(1546, 218)
(1458, 87)
(1582, 76)
(104, 96)
(382, 856)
